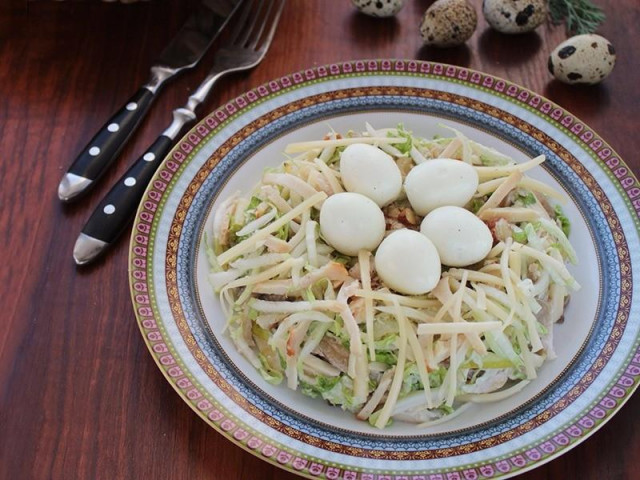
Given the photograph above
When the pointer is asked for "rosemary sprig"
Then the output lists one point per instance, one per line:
(580, 16)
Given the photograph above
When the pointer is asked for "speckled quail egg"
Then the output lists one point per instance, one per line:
(368, 170)
(514, 16)
(439, 182)
(351, 222)
(460, 237)
(379, 8)
(408, 262)
(586, 59)
(448, 23)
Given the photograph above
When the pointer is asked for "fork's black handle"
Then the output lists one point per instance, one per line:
(105, 146)
(118, 207)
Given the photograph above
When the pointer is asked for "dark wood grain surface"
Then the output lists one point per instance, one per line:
(80, 395)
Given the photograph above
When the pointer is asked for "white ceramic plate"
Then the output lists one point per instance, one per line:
(598, 364)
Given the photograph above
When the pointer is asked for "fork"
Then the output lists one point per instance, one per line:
(245, 48)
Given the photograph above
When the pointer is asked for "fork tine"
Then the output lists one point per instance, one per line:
(272, 31)
(248, 29)
(240, 23)
(258, 34)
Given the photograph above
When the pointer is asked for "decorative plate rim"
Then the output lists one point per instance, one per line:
(616, 392)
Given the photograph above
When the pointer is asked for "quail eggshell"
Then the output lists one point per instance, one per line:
(514, 16)
(379, 8)
(351, 222)
(448, 23)
(586, 59)
(439, 182)
(408, 262)
(460, 237)
(368, 170)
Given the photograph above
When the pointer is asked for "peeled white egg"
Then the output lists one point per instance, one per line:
(440, 182)
(460, 237)
(408, 262)
(368, 170)
(351, 222)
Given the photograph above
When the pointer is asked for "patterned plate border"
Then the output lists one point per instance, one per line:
(617, 170)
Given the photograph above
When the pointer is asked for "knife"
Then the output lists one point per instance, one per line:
(184, 52)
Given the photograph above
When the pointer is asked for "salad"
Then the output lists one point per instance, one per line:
(400, 278)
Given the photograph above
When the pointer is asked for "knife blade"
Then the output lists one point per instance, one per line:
(182, 53)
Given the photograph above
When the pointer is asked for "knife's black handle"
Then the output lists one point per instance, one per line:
(105, 146)
(119, 206)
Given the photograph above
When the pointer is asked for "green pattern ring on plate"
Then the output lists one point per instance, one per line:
(148, 240)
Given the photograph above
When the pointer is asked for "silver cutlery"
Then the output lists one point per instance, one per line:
(183, 52)
(244, 49)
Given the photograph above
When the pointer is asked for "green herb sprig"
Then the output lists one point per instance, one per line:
(580, 16)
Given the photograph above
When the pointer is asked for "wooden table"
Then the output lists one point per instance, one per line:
(81, 396)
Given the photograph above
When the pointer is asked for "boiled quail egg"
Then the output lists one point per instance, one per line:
(408, 262)
(586, 59)
(448, 23)
(460, 237)
(351, 222)
(368, 170)
(379, 8)
(514, 16)
(438, 182)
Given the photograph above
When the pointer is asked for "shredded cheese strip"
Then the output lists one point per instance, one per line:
(506, 278)
(557, 266)
(454, 328)
(385, 296)
(452, 374)
(376, 396)
(474, 276)
(295, 184)
(340, 142)
(416, 348)
(510, 214)
(412, 313)
(396, 384)
(501, 192)
(506, 170)
(365, 279)
(526, 183)
(330, 175)
(310, 238)
(264, 275)
(248, 244)
(450, 149)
